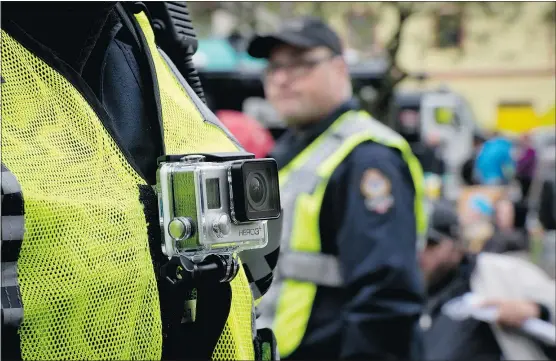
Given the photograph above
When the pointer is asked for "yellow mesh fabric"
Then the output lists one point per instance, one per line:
(186, 132)
(184, 128)
(85, 271)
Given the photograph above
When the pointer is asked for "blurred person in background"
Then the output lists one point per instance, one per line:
(429, 154)
(494, 164)
(507, 237)
(526, 163)
(547, 208)
(428, 151)
(477, 221)
(469, 165)
(352, 194)
(249, 133)
(425, 147)
(543, 201)
(433, 161)
(518, 288)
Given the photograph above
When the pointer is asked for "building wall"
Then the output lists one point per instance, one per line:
(485, 95)
(515, 63)
(498, 61)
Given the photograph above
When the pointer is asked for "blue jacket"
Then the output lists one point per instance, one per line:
(494, 164)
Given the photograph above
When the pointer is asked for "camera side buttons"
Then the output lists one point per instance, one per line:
(221, 226)
(181, 228)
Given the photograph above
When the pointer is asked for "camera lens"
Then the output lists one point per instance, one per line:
(256, 189)
(256, 192)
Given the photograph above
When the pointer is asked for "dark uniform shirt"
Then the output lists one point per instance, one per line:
(376, 314)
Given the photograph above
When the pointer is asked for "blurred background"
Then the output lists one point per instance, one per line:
(457, 80)
(497, 56)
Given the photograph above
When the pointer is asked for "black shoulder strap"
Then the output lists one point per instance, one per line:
(175, 34)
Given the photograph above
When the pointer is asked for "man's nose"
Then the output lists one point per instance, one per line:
(280, 77)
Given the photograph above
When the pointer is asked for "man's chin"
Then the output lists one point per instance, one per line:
(296, 120)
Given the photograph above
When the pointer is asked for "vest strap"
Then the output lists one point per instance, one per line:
(304, 179)
(207, 115)
(318, 268)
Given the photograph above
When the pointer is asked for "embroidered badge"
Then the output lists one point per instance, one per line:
(377, 190)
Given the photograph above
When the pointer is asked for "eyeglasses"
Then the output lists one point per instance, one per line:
(294, 69)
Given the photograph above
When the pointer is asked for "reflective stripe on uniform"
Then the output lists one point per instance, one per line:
(301, 266)
(306, 179)
(320, 269)
(13, 226)
(10, 185)
(12, 306)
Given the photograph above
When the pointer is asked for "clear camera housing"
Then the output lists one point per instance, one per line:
(212, 207)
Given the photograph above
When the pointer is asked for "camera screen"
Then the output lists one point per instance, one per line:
(213, 193)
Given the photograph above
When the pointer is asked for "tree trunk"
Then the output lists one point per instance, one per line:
(394, 74)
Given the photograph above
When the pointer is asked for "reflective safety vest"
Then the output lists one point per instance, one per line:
(85, 270)
(301, 266)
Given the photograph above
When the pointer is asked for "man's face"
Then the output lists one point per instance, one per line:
(303, 84)
(438, 260)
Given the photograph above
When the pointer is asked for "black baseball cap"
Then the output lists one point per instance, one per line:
(443, 222)
(303, 32)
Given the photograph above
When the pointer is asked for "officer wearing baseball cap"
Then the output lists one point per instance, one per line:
(304, 32)
(348, 285)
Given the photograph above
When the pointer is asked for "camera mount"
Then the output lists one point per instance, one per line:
(207, 157)
(215, 268)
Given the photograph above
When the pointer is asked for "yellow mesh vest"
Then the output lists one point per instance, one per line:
(185, 132)
(85, 271)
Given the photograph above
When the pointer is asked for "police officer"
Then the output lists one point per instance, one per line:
(88, 104)
(348, 283)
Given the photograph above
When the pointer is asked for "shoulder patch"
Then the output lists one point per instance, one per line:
(377, 191)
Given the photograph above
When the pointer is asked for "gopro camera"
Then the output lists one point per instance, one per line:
(215, 203)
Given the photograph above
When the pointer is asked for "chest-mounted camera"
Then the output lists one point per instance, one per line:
(215, 203)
